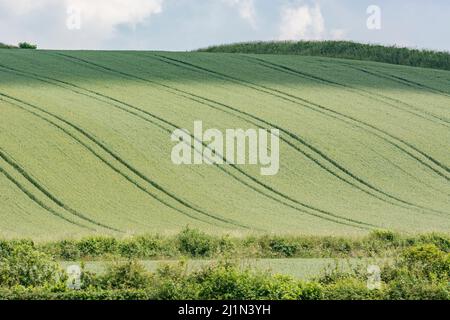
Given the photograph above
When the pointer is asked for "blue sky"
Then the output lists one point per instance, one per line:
(190, 24)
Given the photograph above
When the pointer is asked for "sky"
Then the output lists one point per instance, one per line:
(180, 25)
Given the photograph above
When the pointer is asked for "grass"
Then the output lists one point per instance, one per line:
(85, 144)
(343, 49)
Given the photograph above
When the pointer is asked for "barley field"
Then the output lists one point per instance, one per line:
(85, 144)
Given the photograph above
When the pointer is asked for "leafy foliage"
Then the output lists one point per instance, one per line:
(23, 265)
(195, 243)
(420, 272)
(26, 45)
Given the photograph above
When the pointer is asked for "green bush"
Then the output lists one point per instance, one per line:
(350, 289)
(23, 265)
(425, 262)
(172, 282)
(196, 243)
(282, 247)
(225, 280)
(340, 270)
(66, 250)
(339, 246)
(124, 275)
(384, 236)
(20, 293)
(409, 287)
(440, 241)
(97, 246)
(147, 246)
(420, 272)
(26, 45)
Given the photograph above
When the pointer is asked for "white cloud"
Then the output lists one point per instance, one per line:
(20, 7)
(97, 16)
(246, 9)
(104, 15)
(302, 22)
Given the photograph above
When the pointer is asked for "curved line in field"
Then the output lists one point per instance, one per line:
(436, 162)
(40, 203)
(101, 158)
(364, 93)
(394, 79)
(219, 167)
(415, 207)
(320, 153)
(401, 80)
(193, 98)
(392, 163)
(37, 185)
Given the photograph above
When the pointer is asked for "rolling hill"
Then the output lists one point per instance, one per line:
(85, 144)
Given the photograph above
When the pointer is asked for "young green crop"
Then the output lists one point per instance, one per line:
(85, 144)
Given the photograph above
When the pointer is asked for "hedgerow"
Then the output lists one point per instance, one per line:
(197, 244)
(342, 49)
(419, 272)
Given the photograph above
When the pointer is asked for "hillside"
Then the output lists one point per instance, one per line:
(85, 144)
(344, 50)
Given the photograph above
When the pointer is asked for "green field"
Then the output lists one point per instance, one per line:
(85, 144)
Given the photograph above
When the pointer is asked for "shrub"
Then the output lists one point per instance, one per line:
(226, 245)
(68, 250)
(226, 280)
(427, 260)
(172, 282)
(336, 245)
(25, 266)
(124, 275)
(282, 287)
(350, 289)
(97, 246)
(279, 246)
(339, 270)
(196, 243)
(283, 247)
(26, 45)
(146, 247)
(440, 241)
(384, 235)
(408, 287)
(20, 293)
(5, 249)
(420, 272)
